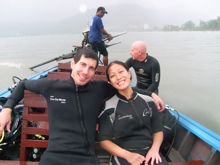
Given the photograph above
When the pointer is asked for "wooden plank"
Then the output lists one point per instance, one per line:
(187, 145)
(34, 130)
(59, 75)
(177, 159)
(64, 67)
(214, 158)
(100, 77)
(35, 143)
(36, 117)
(101, 69)
(8, 162)
(34, 100)
(11, 162)
(200, 150)
(175, 156)
(193, 162)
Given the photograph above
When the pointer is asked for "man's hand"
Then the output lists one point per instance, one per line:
(110, 37)
(5, 119)
(159, 102)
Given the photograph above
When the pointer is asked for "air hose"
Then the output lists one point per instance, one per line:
(3, 135)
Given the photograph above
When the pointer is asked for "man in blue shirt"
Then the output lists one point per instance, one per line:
(95, 34)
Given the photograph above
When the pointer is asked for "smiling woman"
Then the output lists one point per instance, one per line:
(120, 117)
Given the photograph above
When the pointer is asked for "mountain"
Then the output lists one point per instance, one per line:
(123, 17)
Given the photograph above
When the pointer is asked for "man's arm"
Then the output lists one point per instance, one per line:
(155, 76)
(103, 31)
(14, 98)
(37, 86)
(5, 119)
(157, 100)
(108, 89)
(129, 62)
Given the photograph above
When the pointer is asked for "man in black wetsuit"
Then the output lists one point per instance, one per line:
(72, 114)
(146, 67)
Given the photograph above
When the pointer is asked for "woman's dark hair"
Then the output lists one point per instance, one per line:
(115, 62)
(88, 53)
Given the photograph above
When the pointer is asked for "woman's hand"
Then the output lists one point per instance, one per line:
(151, 157)
(134, 158)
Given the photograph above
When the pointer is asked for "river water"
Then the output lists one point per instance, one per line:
(190, 65)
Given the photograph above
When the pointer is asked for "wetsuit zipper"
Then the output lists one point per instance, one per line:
(83, 127)
(141, 123)
(81, 121)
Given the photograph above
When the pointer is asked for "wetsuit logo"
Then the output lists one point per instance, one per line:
(141, 71)
(147, 112)
(157, 77)
(52, 98)
(124, 117)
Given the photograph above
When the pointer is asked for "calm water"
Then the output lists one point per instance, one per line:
(190, 65)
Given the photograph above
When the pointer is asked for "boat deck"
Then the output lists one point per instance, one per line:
(199, 162)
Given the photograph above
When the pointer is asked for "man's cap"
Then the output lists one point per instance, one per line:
(102, 9)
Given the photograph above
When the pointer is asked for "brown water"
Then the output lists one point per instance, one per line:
(190, 65)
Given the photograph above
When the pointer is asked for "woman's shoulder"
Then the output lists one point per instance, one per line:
(145, 97)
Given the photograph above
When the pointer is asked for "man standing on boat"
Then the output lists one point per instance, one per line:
(146, 67)
(95, 34)
(72, 121)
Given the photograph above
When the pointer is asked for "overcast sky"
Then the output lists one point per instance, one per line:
(52, 10)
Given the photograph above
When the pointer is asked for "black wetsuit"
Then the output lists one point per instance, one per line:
(73, 113)
(147, 72)
(130, 124)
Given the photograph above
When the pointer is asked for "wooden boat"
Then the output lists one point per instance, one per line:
(193, 144)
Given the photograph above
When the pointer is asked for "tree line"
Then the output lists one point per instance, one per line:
(211, 25)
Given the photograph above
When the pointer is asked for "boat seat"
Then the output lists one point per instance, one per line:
(101, 69)
(65, 75)
(34, 123)
(100, 77)
(59, 75)
(64, 67)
